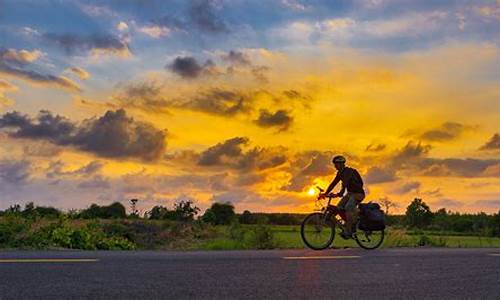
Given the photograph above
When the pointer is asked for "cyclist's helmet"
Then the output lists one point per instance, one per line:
(338, 159)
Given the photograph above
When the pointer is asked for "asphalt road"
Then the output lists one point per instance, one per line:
(280, 274)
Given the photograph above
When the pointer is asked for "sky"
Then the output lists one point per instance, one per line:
(248, 101)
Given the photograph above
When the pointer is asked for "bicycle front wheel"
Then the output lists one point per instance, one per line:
(317, 231)
(369, 239)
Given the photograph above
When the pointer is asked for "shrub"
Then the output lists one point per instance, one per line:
(262, 237)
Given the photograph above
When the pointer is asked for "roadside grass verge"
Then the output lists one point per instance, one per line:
(125, 234)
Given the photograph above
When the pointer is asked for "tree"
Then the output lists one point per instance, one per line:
(219, 214)
(133, 208)
(158, 212)
(418, 214)
(246, 217)
(185, 211)
(387, 204)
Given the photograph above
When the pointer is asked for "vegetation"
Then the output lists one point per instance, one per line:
(180, 227)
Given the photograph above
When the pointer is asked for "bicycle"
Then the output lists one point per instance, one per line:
(318, 228)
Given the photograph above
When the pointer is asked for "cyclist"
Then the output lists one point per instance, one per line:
(352, 182)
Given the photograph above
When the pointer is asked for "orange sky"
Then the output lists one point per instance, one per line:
(233, 110)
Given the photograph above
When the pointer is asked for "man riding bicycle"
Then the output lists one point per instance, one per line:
(352, 182)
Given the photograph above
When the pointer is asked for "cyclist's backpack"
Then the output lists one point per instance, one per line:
(371, 217)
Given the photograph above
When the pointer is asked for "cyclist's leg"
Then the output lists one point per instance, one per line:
(341, 206)
(352, 208)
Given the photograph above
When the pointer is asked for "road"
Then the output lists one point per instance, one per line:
(276, 274)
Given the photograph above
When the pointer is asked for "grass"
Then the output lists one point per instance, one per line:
(289, 237)
(19, 233)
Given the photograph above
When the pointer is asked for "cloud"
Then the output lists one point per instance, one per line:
(217, 101)
(83, 74)
(231, 153)
(375, 147)
(19, 57)
(97, 182)
(14, 171)
(83, 44)
(407, 187)
(280, 119)
(122, 26)
(446, 202)
(155, 31)
(493, 203)
(492, 144)
(188, 67)
(113, 135)
(380, 175)
(447, 131)
(6, 87)
(203, 15)
(236, 58)
(294, 5)
(56, 169)
(13, 63)
(307, 166)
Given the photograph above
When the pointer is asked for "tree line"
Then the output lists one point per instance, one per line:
(418, 216)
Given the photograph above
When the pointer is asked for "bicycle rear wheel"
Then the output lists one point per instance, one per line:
(317, 231)
(368, 239)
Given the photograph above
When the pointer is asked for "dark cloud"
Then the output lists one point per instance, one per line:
(380, 175)
(218, 102)
(145, 96)
(56, 169)
(306, 166)
(447, 131)
(97, 182)
(113, 135)
(493, 143)
(494, 203)
(14, 63)
(228, 149)
(410, 154)
(446, 203)
(14, 172)
(259, 73)
(407, 187)
(203, 15)
(236, 58)
(148, 96)
(188, 67)
(375, 147)
(468, 167)
(231, 153)
(77, 44)
(280, 119)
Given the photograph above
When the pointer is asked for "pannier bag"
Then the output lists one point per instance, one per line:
(371, 217)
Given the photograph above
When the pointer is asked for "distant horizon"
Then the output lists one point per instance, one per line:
(246, 101)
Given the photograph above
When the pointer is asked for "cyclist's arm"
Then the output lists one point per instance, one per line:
(342, 191)
(333, 184)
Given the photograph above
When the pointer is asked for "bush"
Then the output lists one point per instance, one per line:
(219, 214)
(262, 237)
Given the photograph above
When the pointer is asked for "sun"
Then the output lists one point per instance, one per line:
(311, 191)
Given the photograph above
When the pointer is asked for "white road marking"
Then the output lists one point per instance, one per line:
(322, 257)
(494, 254)
(47, 260)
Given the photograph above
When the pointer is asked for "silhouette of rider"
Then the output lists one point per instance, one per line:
(352, 182)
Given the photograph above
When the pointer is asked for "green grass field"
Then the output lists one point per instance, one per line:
(288, 237)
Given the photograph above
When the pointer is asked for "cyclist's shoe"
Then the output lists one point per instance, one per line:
(346, 235)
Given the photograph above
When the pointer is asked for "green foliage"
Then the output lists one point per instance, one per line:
(219, 214)
(262, 237)
(418, 214)
(183, 211)
(114, 211)
(10, 227)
